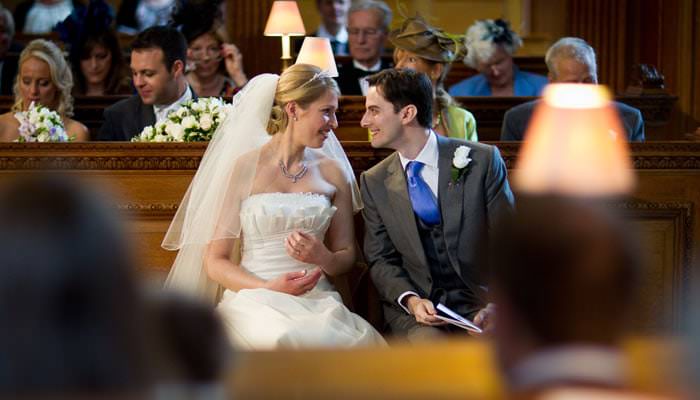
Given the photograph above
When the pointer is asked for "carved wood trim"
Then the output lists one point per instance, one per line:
(95, 156)
(148, 211)
(682, 215)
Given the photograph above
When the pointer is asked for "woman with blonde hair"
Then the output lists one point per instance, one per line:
(269, 215)
(426, 49)
(44, 78)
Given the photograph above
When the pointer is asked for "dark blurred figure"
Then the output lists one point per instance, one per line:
(565, 271)
(96, 58)
(71, 317)
(214, 67)
(135, 16)
(37, 17)
(9, 51)
(334, 15)
(194, 346)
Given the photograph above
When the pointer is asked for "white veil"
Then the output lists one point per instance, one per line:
(210, 209)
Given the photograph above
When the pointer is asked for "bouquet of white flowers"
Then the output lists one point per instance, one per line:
(39, 124)
(194, 121)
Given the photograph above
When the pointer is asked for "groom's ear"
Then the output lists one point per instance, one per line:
(408, 114)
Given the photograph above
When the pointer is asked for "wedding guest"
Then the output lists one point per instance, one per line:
(41, 16)
(564, 277)
(368, 27)
(44, 78)
(490, 48)
(333, 24)
(8, 51)
(214, 68)
(570, 60)
(98, 64)
(427, 49)
(158, 71)
(426, 228)
(73, 319)
(135, 16)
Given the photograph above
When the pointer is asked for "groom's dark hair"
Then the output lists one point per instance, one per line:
(402, 87)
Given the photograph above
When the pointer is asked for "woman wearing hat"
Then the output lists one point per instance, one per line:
(490, 48)
(426, 49)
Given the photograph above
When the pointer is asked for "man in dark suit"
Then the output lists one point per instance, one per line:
(9, 52)
(158, 69)
(428, 209)
(368, 27)
(570, 60)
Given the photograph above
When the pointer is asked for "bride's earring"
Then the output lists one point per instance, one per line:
(295, 118)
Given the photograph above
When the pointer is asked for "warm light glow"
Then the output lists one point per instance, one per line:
(574, 95)
(284, 19)
(575, 145)
(317, 51)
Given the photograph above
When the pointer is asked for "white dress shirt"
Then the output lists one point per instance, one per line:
(162, 110)
(41, 17)
(364, 85)
(429, 156)
(341, 36)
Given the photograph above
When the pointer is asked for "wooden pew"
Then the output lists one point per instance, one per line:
(459, 71)
(458, 369)
(149, 180)
(489, 112)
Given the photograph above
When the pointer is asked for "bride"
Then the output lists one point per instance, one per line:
(269, 215)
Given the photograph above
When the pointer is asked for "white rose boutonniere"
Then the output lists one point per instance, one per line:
(460, 161)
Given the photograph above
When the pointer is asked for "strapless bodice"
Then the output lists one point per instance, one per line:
(268, 218)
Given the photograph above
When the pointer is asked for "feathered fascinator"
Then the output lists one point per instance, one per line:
(84, 22)
(484, 36)
(196, 17)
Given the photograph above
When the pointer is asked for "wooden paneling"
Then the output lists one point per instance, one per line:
(246, 22)
(147, 182)
(602, 24)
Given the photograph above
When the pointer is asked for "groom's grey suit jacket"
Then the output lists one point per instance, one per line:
(469, 210)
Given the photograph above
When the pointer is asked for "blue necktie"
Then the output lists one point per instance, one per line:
(424, 203)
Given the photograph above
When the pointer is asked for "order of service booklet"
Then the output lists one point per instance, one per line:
(449, 316)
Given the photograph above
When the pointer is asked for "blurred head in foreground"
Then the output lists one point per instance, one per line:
(564, 279)
(71, 317)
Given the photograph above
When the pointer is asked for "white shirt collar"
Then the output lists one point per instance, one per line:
(428, 155)
(575, 363)
(341, 36)
(375, 68)
(161, 110)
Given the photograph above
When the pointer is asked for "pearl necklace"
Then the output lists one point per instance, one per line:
(293, 177)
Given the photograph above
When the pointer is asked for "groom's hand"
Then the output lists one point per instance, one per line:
(295, 283)
(424, 311)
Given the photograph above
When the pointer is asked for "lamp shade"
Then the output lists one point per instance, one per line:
(317, 51)
(284, 19)
(575, 145)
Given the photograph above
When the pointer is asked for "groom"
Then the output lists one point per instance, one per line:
(429, 208)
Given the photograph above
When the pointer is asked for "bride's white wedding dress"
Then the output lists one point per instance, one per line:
(265, 319)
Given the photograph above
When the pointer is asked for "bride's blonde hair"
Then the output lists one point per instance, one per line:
(303, 84)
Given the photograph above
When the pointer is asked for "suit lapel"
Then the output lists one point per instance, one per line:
(451, 197)
(400, 205)
(148, 117)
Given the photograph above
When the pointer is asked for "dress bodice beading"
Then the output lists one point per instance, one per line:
(266, 221)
